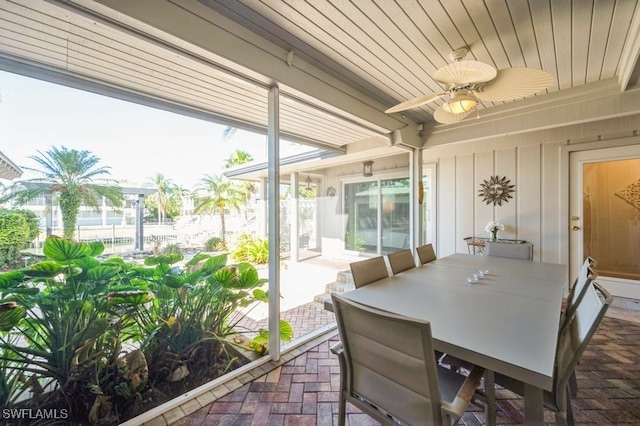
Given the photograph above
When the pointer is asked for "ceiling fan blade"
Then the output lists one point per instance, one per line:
(445, 117)
(421, 100)
(461, 72)
(514, 83)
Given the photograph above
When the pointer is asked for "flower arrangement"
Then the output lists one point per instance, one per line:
(493, 228)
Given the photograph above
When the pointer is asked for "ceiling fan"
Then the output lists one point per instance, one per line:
(469, 82)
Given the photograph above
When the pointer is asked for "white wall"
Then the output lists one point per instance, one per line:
(537, 164)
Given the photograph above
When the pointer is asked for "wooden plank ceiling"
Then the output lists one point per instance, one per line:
(390, 49)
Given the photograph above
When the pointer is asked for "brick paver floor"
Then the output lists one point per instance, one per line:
(304, 391)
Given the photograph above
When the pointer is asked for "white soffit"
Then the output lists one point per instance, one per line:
(53, 38)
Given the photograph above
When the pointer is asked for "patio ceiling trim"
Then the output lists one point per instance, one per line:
(242, 171)
(629, 67)
(54, 75)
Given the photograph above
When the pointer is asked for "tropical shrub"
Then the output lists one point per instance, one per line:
(215, 244)
(171, 249)
(194, 310)
(17, 229)
(93, 336)
(58, 329)
(258, 251)
(33, 224)
(240, 246)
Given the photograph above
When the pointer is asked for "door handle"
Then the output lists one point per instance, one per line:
(575, 228)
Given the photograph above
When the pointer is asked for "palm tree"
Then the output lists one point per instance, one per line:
(237, 158)
(72, 176)
(166, 194)
(219, 194)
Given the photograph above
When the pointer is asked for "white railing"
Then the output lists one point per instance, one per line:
(121, 238)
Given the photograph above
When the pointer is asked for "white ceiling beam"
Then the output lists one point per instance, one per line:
(629, 67)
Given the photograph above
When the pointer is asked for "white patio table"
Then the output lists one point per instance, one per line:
(507, 323)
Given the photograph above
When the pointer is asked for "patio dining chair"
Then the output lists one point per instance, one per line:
(577, 291)
(572, 341)
(388, 369)
(401, 261)
(426, 253)
(513, 251)
(369, 270)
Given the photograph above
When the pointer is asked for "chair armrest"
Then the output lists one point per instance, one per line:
(470, 385)
(337, 349)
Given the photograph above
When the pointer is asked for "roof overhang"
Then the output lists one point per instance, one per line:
(184, 57)
(8, 170)
(315, 162)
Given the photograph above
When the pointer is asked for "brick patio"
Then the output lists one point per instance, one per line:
(303, 391)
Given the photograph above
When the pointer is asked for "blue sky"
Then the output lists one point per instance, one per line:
(135, 141)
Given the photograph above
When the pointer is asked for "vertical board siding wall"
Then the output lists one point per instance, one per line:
(537, 163)
(533, 213)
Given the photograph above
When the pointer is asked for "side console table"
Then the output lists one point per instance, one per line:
(475, 245)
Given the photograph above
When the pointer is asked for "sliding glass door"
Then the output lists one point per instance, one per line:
(377, 215)
(361, 209)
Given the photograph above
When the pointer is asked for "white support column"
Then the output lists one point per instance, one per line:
(263, 209)
(415, 177)
(103, 212)
(139, 240)
(273, 142)
(294, 206)
(48, 214)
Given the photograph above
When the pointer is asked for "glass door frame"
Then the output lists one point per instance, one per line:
(376, 178)
(617, 286)
(428, 218)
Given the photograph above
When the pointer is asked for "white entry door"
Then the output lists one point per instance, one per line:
(605, 216)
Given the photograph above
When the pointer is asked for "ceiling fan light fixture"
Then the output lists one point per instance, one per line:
(460, 104)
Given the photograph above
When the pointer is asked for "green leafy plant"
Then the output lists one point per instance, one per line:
(192, 308)
(17, 229)
(258, 251)
(65, 323)
(171, 249)
(11, 379)
(58, 329)
(251, 249)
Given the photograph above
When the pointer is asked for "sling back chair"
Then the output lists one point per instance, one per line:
(401, 261)
(369, 270)
(426, 253)
(388, 369)
(572, 341)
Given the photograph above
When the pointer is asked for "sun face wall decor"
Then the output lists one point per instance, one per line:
(496, 190)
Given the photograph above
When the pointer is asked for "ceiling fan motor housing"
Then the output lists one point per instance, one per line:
(458, 54)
